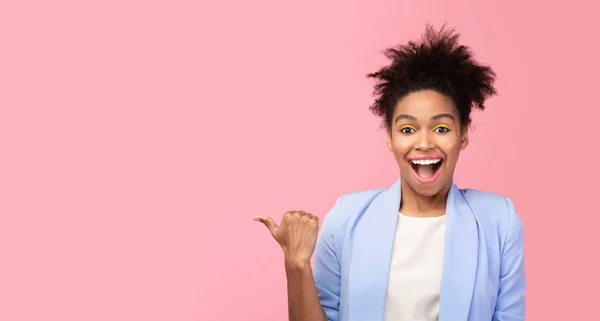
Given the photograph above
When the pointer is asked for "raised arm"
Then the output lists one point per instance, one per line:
(297, 234)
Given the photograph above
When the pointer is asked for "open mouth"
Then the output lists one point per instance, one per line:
(427, 170)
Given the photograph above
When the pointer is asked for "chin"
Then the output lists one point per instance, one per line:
(426, 189)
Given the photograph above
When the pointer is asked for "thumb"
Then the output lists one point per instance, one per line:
(269, 223)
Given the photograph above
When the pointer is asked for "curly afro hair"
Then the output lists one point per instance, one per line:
(438, 62)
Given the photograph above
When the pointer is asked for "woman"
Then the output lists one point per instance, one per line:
(422, 249)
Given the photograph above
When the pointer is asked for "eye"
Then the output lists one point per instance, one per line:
(407, 130)
(441, 129)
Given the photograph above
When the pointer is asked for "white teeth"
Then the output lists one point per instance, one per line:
(425, 161)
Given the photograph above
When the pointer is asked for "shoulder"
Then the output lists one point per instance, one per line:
(359, 199)
(492, 204)
(496, 211)
(347, 208)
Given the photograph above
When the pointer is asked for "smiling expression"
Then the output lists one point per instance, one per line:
(426, 138)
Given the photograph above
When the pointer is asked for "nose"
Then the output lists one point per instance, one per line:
(425, 143)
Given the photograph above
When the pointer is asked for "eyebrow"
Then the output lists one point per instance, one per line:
(436, 117)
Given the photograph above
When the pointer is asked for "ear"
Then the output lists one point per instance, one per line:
(389, 141)
(464, 138)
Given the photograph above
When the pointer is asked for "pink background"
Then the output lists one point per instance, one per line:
(139, 138)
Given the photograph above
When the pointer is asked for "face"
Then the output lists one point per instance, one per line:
(426, 138)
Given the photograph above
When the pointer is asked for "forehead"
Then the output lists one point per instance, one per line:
(425, 104)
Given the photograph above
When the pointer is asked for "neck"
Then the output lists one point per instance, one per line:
(414, 204)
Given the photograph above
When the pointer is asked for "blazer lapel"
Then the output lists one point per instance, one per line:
(372, 239)
(460, 258)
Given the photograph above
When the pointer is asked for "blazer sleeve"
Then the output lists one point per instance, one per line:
(326, 269)
(510, 305)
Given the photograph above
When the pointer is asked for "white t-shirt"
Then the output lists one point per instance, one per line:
(413, 292)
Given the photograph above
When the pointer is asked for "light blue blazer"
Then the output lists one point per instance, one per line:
(483, 275)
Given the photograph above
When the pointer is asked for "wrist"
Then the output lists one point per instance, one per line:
(293, 264)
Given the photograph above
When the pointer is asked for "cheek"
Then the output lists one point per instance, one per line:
(451, 146)
(401, 147)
